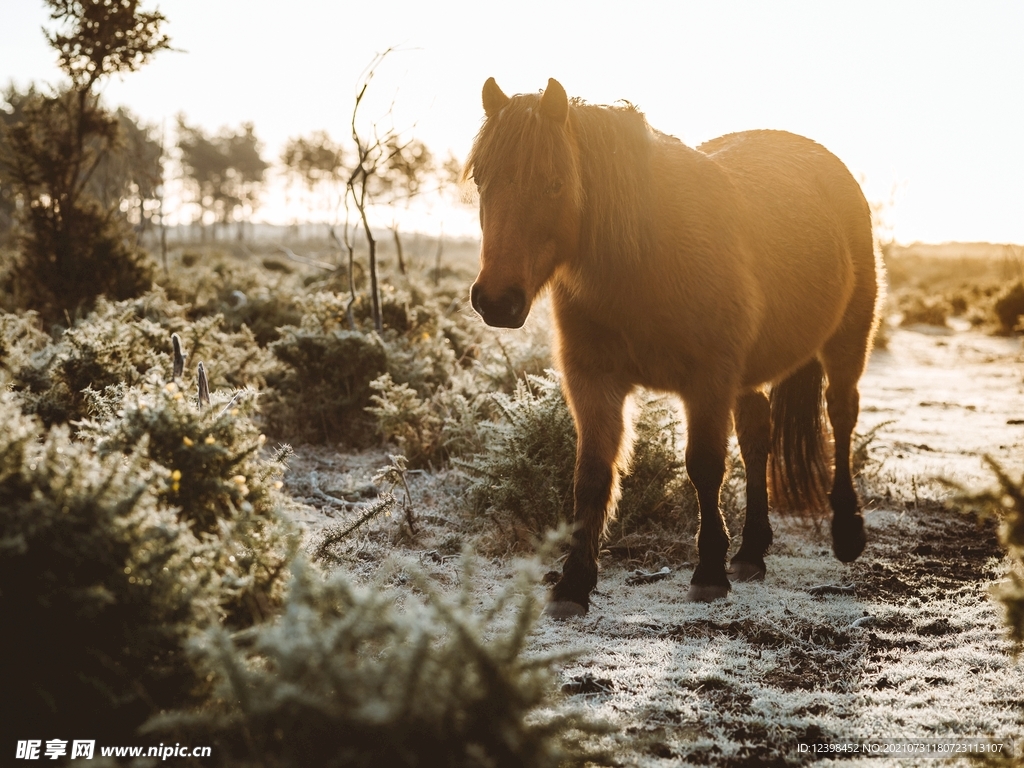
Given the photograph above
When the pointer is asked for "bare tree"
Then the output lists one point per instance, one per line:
(370, 157)
(388, 169)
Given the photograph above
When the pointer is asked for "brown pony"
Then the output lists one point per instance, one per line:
(740, 275)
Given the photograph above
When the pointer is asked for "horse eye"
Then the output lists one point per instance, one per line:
(554, 187)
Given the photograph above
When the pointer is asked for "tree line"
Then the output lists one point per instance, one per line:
(223, 172)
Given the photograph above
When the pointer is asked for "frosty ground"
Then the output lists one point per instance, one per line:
(908, 642)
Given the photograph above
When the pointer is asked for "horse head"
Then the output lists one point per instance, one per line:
(525, 165)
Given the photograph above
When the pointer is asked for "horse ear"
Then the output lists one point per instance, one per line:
(554, 104)
(494, 99)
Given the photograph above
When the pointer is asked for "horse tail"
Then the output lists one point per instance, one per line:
(798, 469)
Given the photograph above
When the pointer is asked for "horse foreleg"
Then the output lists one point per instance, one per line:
(598, 412)
(708, 425)
(753, 428)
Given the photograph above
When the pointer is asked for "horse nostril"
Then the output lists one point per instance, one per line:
(504, 311)
(515, 300)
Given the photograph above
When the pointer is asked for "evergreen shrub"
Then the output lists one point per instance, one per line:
(347, 677)
(525, 471)
(97, 586)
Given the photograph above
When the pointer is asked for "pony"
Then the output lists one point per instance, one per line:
(741, 276)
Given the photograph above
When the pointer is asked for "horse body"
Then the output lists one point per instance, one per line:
(708, 273)
(805, 238)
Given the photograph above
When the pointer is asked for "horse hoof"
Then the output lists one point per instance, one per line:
(705, 593)
(564, 609)
(741, 570)
(848, 538)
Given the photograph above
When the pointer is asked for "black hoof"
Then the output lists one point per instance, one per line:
(848, 537)
(705, 593)
(744, 570)
(564, 609)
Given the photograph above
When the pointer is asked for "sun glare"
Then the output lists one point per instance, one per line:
(921, 98)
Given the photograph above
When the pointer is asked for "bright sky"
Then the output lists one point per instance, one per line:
(926, 98)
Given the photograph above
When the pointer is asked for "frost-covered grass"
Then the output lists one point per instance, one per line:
(744, 681)
(751, 678)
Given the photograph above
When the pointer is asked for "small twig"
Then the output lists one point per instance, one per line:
(335, 534)
(648, 577)
(395, 473)
(231, 402)
(306, 260)
(323, 495)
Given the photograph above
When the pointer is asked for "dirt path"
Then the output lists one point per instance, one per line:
(912, 645)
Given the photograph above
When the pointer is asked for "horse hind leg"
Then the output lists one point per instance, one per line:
(753, 428)
(844, 358)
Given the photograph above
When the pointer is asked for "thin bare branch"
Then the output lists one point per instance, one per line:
(306, 260)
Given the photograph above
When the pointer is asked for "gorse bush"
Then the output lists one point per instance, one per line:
(97, 586)
(929, 310)
(411, 423)
(437, 398)
(345, 677)
(107, 349)
(20, 339)
(328, 367)
(527, 469)
(212, 455)
(431, 430)
(216, 480)
(159, 519)
(1005, 502)
(1009, 307)
(121, 343)
(322, 395)
(525, 472)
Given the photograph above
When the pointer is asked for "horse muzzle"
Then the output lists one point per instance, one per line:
(509, 310)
